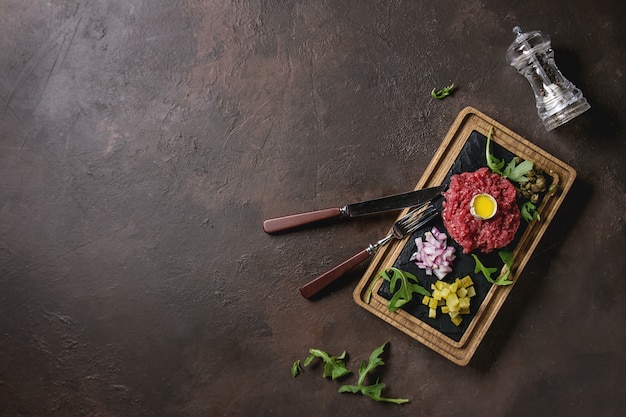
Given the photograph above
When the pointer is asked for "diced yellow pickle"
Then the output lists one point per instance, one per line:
(467, 282)
(454, 308)
(452, 299)
(471, 291)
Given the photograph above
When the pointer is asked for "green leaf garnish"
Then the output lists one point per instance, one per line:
(373, 391)
(442, 93)
(334, 366)
(493, 163)
(404, 293)
(296, 368)
(517, 173)
(482, 268)
(512, 171)
(507, 258)
(529, 212)
(502, 279)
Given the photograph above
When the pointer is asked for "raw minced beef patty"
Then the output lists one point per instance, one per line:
(472, 233)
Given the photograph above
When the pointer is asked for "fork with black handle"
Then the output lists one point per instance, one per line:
(405, 225)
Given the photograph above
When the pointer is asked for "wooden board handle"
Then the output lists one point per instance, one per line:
(324, 280)
(279, 224)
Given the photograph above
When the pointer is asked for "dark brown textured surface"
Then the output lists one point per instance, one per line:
(144, 142)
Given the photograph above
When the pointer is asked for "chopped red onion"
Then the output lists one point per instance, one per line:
(433, 254)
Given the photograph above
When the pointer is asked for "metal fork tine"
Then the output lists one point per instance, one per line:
(416, 216)
(421, 221)
(414, 211)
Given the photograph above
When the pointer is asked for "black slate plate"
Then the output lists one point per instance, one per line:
(471, 158)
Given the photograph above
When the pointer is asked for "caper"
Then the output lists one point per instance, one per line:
(553, 189)
(541, 183)
(534, 198)
(538, 188)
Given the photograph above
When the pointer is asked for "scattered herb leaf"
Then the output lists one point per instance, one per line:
(513, 171)
(518, 173)
(373, 391)
(529, 212)
(487, 272)
(296, 368)
(493, 163)
(334, 366)
(442, 93)
(507, 258)
(404, 293)
(502, 279)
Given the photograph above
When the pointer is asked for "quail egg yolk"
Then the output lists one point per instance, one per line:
(483, 206)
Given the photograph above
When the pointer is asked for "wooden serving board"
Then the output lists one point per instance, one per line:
(460, 350)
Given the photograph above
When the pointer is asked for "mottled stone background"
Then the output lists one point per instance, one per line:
(142, 143)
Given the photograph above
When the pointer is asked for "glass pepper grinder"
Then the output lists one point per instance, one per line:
(558, 100)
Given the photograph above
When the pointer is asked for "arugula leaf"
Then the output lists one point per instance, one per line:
(493, 163)
(482, 268)
(406, 289)
(442, 93)
(502, 279)
(296, 368)
(334, 366)
(353, 389)
(512, 171)
(507, 258)
(529, 212)
(373, 391)
(517, 173)
(373, 362)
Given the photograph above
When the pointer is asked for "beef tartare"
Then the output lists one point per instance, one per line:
(473, 233)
